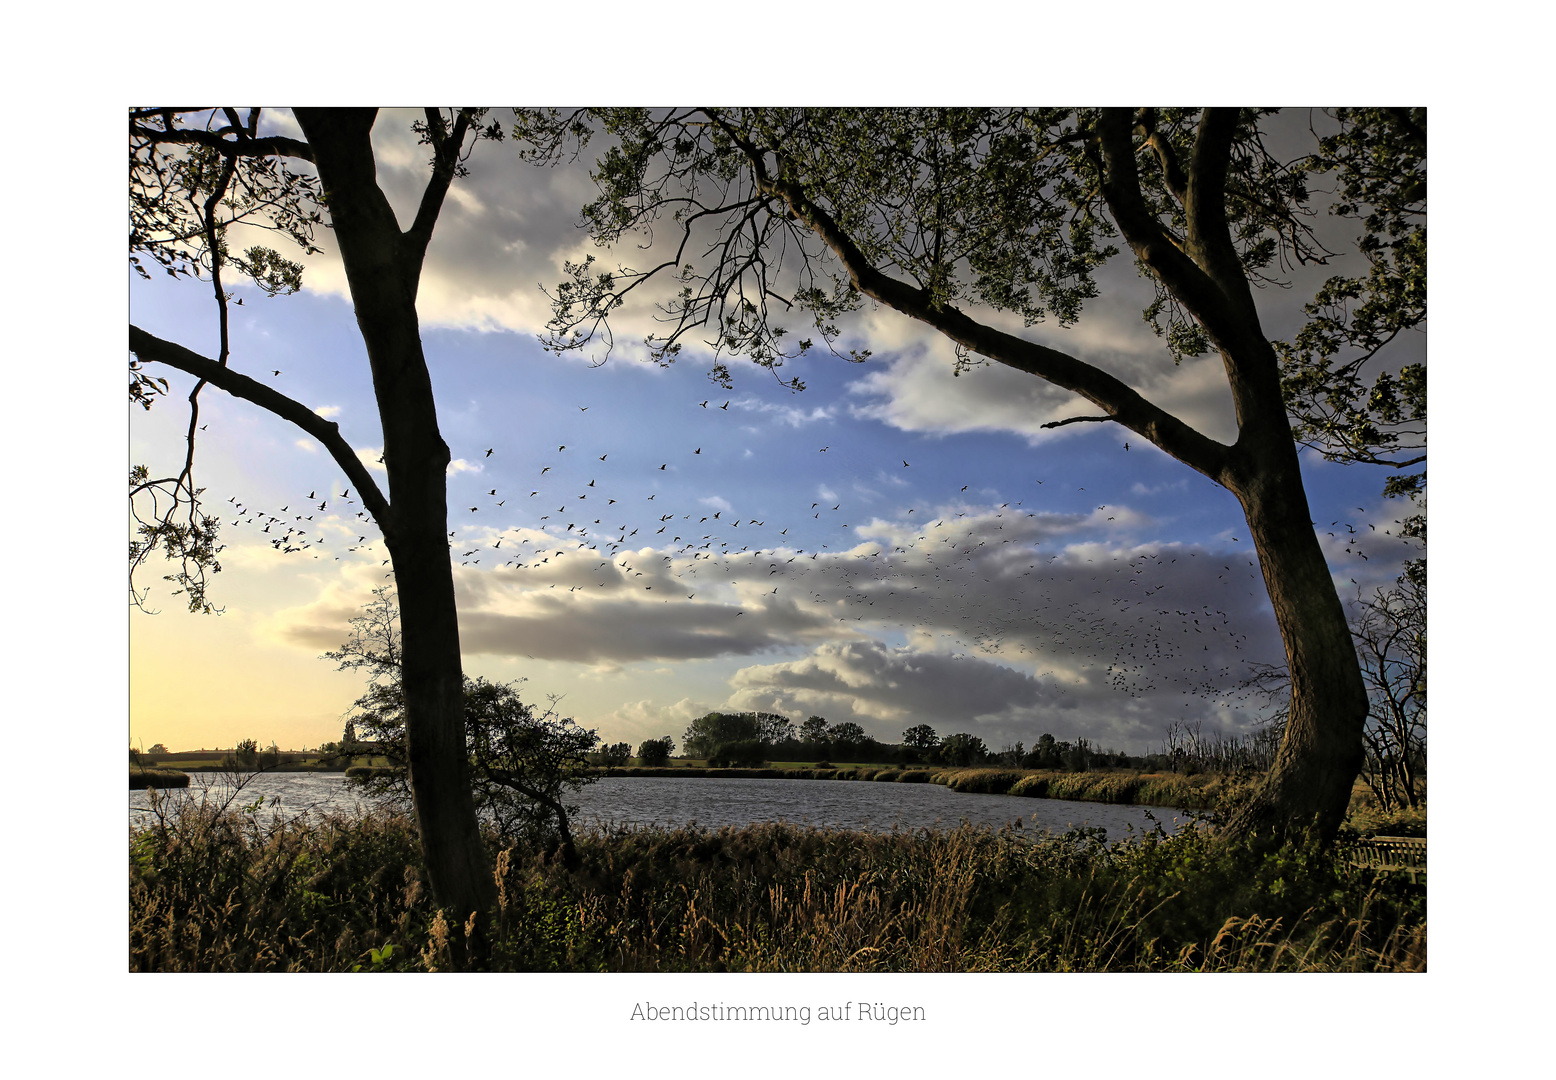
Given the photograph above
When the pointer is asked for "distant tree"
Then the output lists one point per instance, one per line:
(963, 750)
(952, 215)
(1390, 629)
(615, 754)
(814, 730)
(704, 735)
(1045, 754)
(244, 756)
(157, 748)
(920, 737)
(707, 733)
(846, 738)
(656, 752)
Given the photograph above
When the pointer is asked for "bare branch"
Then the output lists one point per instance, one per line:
(1080, 420)
(150, 348)
(243, 146)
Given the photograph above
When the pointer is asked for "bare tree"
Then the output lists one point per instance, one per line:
(1390, 631)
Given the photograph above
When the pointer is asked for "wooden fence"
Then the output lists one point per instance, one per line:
(1405, 853)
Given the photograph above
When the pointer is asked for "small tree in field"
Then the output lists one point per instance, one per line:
(656, 751)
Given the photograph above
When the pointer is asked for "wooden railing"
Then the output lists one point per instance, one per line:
(1407, 853)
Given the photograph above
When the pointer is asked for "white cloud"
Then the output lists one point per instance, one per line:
(308, 445)
(329, 412)
(370, 456)
(460, 465)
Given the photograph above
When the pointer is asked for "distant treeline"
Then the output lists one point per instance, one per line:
(751, 739)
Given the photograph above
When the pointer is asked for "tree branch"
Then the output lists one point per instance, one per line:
(269, 146)
(1079, 420)
(1184, 278)
(445, 157)
(1209, 238)
(1122, 402)
(150, 348)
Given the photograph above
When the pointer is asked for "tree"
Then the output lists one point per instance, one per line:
(920, 737)
(157, 748)
(706, 734)
(934, 212)
(615, 754)
(846, 737)
(1390, 630)
(523, 765)
(963, 749)
(656, 751)
(192, 174)
(814, 730)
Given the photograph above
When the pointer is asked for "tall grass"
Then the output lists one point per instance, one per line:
(214, 887)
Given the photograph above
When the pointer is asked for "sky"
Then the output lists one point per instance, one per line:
(894, 545)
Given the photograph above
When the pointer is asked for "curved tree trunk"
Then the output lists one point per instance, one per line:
(383, 270)
(1309, 785)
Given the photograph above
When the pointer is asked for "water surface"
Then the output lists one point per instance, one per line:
(716, 802)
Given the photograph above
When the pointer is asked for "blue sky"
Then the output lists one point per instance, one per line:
(894, 545)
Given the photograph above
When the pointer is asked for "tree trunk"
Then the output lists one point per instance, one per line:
(383, 273)
(1309, 785)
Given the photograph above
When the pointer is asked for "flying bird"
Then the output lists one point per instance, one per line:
(488, 451)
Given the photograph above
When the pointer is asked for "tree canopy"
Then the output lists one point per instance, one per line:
(956, 217)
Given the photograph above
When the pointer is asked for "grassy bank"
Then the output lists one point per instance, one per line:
(141, 778)
(1146, 789)
(214, 890)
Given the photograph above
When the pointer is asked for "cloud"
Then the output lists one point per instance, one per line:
(890, 686)
(370, 456)
(307, 444)
(999, 620)
(329, 412)
(459, 465)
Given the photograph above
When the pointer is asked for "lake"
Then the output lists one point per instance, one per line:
(713, 802)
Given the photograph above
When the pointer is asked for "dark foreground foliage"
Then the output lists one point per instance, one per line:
(220, 889)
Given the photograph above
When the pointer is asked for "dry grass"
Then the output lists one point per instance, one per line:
(212, 887)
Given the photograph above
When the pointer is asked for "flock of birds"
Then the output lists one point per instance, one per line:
(1007, 580)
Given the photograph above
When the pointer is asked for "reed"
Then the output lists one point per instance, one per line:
(212, 887)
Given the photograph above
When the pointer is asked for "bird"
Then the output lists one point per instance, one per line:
(725, 406)
(662, 467)
(492, 492)
(602, 457)
(274, 372)
(698, 450)
(905, 465)
(561, 448)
